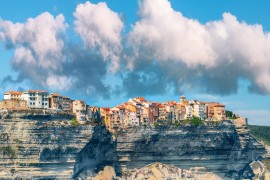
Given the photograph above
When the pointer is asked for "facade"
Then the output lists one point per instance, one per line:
(115, 121)
(189, 111)
(79, 109)
(36, 99)
(180, 112)
(55, 101)
(58, 102)
(105, 116)
(153, 112)
(66, 104)
(13, 95)
(219, 112)
(199, 110)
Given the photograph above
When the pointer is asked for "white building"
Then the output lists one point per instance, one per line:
(79, 109)
(36, 99)
(13, 95)
(199, 110)
(189, 110)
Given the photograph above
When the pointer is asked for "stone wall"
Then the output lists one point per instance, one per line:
(13, 104)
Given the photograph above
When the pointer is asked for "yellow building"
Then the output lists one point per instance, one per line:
(105, 116)
(219, 112)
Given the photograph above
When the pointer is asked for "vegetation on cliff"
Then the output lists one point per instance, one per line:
(261, 133)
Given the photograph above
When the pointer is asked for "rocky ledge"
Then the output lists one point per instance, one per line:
(220, 149)
(40, 148)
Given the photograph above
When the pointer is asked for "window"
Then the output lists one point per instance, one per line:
(46, 104)
(34, 103)
(30, 103)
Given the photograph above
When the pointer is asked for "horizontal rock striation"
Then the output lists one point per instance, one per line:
(219, 149)
(40, 148)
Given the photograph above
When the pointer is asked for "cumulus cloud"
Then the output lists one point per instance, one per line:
(163, 51)
(38, 46)
(213, 56)
(100, 29)
(44, 56)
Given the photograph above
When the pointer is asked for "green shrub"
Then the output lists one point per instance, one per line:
(156, 124)
(196, 121)
(74, 122)
(176, 123)
(8, 151)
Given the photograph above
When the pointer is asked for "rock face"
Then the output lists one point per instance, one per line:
(220, 149)
(99, 152)
(40, 148)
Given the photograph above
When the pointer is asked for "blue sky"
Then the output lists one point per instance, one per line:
(253, 105)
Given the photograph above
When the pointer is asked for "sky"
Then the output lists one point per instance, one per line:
(106, 52)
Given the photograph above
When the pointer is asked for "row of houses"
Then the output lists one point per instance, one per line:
(39, 99)
(138, 111)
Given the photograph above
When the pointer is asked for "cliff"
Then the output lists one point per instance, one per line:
(40, 147)
(220, 149)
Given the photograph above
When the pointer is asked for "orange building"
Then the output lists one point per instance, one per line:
(219, 112)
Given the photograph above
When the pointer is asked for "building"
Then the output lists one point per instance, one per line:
(36, 99)
(58, 102)
(105, 116)
(189, 111)
(13, 95)
(219, 112)
(115, 120)
(66, 104)
(55, 101)
(199, 110)
(79, 109)
(180, 112)
(153, 112)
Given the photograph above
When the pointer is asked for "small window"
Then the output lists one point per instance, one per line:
(30, 103)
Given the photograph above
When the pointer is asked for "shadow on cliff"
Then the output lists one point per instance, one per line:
(99, 152)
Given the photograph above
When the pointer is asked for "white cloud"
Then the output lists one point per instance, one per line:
(214, 51)
(59, 82)
(38, 45)
(165, 34)
(100, 29)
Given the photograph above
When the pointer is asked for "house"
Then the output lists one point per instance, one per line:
(199, 110)
(153, 112)
(13, 95)
(180, 112)
(144, 116)
(189, 109)
(58, 102)
(115, 121)
(105, 116)
(36, 99)
(66, 104)
(219, 112)
(79, 109)
(55, 101)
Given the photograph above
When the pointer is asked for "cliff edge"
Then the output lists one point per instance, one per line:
(220, 149)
